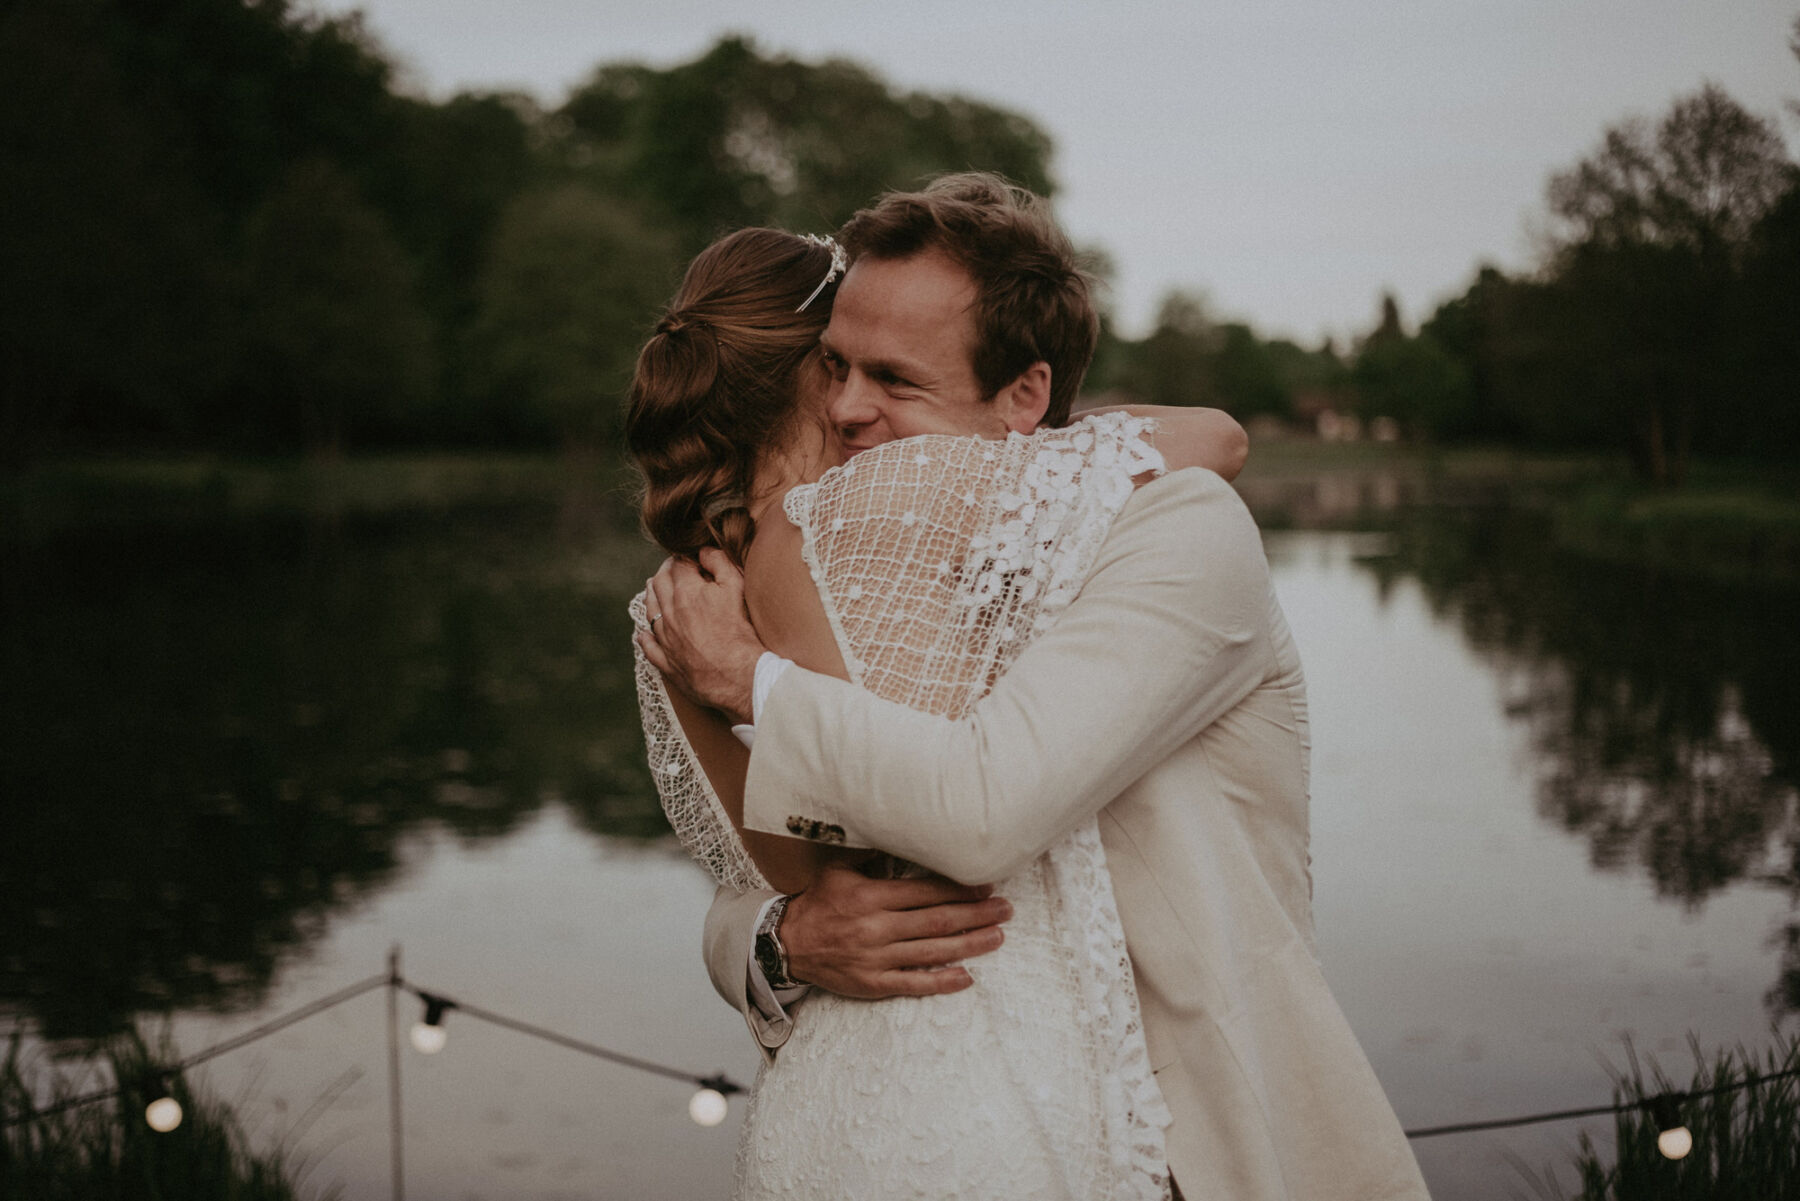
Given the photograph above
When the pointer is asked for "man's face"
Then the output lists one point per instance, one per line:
(899, 351)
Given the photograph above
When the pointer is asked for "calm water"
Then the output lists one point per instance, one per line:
(1554, 808)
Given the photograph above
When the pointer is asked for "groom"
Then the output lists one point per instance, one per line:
(1168, 698)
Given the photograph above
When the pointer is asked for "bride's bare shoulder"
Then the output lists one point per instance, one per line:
(783, 600)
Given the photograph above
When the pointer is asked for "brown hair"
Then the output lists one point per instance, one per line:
(1032, 297)
(720, 381)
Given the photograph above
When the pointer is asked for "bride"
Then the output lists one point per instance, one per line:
(919, 570)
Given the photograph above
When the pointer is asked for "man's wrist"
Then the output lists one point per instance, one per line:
(771, 955)
(739, 705)
(769, 668)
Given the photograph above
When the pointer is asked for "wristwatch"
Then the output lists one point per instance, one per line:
(771, 956)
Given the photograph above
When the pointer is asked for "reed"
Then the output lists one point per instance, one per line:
(1746, 1140)
(106, 1152)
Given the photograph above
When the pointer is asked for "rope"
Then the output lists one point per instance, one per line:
(1596, 1110)
(726, 1085)
(574, 1044)
(720, 1082)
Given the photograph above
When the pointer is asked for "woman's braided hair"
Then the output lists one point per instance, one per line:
(721, 381)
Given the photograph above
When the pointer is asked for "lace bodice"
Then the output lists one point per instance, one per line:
(938, 560)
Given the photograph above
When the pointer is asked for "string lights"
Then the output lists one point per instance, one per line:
(710, 1105)
(707, 1107)
(1673, 1138)
(164, 1112)
(428, 1033)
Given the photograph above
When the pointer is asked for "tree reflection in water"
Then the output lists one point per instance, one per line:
(215, 738)
(1665, 712)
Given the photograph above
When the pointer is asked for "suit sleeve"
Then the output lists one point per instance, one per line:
(730, 928)
(1170, 632)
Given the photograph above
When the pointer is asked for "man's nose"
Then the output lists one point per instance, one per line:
(852, 404)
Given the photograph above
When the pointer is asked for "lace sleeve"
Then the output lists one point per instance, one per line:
(938, 558)
(687, 796)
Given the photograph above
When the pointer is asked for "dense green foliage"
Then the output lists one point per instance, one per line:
(1663, 318)
(1188, 358)
(1661, 321)
(227, 228)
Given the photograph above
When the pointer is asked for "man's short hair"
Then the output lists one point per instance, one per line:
(1032, 298)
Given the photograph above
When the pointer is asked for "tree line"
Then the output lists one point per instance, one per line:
(229, 227)
(1662, 320)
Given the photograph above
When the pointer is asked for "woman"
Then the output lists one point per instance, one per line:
(931, 564)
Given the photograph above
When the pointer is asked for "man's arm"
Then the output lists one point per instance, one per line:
(852, 935)
(730, 931)
(1169, 633)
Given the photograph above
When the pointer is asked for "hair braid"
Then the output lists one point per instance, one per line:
(719, 382)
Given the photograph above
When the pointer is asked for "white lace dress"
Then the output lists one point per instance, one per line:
(939, 559)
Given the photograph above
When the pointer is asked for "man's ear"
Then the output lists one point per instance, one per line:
(1024, 401)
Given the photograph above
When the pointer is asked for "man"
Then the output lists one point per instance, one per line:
(1168, 698)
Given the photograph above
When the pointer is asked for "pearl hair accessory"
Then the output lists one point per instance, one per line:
(840, 262)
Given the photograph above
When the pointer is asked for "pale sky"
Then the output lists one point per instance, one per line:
(1288, 158)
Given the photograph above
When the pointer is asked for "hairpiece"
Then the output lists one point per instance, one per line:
(723, 504)
(839, 262)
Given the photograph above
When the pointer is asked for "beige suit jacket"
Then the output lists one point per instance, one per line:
(1170, 699)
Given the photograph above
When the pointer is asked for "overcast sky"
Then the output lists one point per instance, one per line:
(1289, 159)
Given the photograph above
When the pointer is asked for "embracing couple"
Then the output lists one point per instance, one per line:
(990, 729)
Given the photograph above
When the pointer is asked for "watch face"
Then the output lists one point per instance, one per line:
(768, 958)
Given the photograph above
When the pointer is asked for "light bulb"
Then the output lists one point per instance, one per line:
(1676, 1143)
(708, 1107)
(428, 1039)
(163, 1114)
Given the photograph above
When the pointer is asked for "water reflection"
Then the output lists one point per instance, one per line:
(215, 738)
(1664, 712)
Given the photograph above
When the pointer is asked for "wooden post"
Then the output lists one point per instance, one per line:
(393, 1024)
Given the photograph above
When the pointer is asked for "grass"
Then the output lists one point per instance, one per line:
(1730, 522)
(106, 1152)
(1306, 454)
(1746, 1141)
(1727, 527)
(102, 492)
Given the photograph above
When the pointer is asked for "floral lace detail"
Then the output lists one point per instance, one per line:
(693, 808)
(1002, 563)
(939, 559)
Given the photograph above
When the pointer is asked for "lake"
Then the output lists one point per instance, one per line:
(1554, 816)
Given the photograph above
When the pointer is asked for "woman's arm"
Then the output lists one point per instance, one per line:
(1208, 438)
(786, 863)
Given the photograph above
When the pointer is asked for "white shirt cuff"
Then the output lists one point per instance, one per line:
(769, 1001)
(769, 668)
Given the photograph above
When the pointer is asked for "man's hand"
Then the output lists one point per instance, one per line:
(859, 937)
(700, 635)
